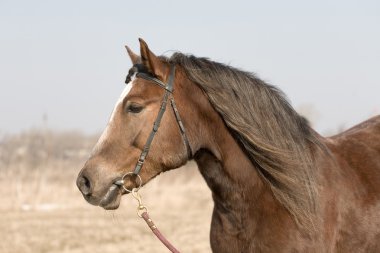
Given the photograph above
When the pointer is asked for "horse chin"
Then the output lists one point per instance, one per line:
(111, 199)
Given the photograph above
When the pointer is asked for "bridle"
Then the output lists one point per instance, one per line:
(141, 72)
(168, 95)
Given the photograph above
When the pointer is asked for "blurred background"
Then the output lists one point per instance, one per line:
(63, 66)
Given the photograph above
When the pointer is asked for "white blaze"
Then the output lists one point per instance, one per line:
(125, 93)
(105, 133)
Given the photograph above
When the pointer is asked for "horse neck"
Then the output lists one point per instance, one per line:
(239, 193)
(243, 204)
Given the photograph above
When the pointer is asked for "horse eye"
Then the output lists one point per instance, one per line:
(134, 108)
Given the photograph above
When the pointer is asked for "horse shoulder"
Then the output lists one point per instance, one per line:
(358, 154)
(356, 189)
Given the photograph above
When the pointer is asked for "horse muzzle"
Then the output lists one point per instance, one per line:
(107, 197)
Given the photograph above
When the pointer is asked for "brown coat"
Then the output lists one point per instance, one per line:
(277, 185)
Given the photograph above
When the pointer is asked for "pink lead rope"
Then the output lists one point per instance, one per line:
(157, 232)
(142, 212)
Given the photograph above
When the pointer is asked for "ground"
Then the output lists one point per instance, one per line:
(42, 211)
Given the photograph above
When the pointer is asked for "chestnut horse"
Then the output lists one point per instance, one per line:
(277, 185)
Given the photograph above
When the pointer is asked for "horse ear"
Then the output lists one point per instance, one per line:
(154, 65)
(134, 57)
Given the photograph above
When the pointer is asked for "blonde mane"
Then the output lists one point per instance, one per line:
(277, 140)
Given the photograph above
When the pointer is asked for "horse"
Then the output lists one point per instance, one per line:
(277, 185)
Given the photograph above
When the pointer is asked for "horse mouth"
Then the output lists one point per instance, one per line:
(111, 199)
(108, 198)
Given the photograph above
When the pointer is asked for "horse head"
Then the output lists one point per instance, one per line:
(126, 139)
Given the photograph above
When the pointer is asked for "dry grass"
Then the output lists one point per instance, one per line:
(42, 211)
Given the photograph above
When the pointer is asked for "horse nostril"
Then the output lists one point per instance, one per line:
(84, 185)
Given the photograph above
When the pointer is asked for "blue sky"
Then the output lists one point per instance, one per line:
(66, 59)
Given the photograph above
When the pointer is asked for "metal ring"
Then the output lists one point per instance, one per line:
(140, 182)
